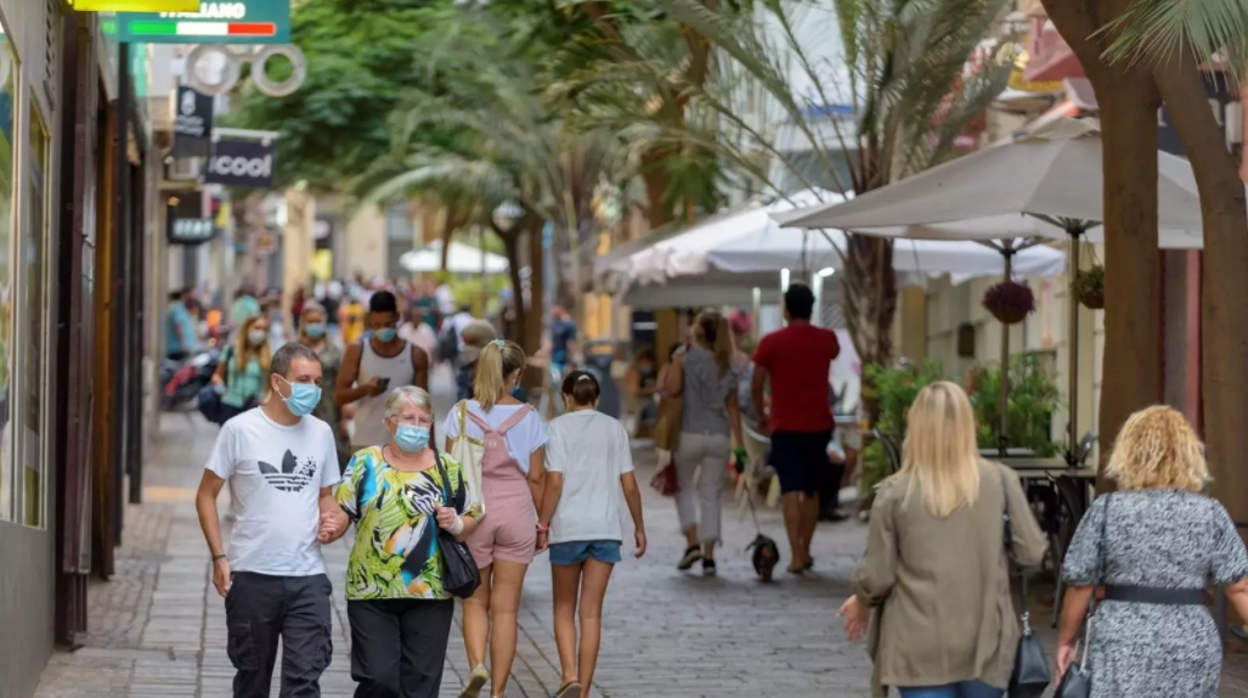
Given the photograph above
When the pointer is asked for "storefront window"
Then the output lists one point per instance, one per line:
(32, 319)
(8, 92)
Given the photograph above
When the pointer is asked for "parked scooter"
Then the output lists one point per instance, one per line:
(182, 381)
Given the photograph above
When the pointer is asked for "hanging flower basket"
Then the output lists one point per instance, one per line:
(1090, 287)
(1009, 301)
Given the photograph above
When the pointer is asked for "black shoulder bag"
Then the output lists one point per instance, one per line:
(1077, 682)
(1031, 667)
(461, 577)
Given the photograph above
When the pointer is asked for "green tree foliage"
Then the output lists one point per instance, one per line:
(362, 57)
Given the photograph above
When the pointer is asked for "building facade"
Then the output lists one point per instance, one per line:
(74, 244)
(30, 143)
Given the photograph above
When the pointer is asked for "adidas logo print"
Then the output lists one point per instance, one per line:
(293, 476)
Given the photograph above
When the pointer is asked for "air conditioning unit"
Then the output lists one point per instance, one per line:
(184, 169)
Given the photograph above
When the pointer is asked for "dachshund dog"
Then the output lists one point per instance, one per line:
(766, 556)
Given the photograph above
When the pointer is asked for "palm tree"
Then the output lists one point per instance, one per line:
(904, 74)
(627, 65)
(507, 148)
(1137, 56)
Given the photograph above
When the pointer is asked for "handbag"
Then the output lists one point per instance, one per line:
(1031, 668)
(1077, 682)
(460, 577)
(468, 452)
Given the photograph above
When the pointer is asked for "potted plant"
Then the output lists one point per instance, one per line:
(1009, 301)
(1090, 287)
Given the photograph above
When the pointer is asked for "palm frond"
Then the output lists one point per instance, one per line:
(1154, 31)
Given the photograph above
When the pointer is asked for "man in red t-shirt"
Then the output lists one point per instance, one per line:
(797, 360)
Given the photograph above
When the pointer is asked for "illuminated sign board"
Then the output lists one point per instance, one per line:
(236, 22)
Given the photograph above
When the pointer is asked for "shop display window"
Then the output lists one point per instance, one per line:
(8, 151)
(33, 385)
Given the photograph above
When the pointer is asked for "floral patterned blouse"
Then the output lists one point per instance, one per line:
(396, 555)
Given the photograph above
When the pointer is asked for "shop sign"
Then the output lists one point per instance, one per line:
(136, 5)
(192, 124)
(242, 164)
(191, 231)
(236, 22)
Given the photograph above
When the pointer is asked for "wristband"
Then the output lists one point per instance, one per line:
(543, 528)
(222, 556)
(457, 527)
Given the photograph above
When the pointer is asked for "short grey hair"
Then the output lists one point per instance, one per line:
(284, 357)
(408, 395)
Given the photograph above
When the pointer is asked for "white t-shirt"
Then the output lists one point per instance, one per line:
(276, 474)
(522, 440)
(592, 451)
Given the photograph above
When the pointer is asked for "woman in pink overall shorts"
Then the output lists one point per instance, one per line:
(512, 480)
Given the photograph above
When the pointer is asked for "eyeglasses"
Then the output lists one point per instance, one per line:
(414, 421)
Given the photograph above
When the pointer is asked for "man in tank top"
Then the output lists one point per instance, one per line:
(375, 364)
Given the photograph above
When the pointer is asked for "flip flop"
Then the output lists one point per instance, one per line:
(571, 690)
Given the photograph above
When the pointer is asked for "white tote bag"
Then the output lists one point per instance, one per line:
(469, 452)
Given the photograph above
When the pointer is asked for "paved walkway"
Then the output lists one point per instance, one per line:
(158, 628)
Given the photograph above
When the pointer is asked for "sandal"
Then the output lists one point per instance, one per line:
(692, 554)
(476, 681)
(569, 690)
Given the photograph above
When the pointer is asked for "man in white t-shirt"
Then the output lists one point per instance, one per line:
(281, 463)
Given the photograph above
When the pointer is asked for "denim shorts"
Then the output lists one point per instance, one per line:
(576, 552)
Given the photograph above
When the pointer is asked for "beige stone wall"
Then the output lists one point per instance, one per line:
(364, 246)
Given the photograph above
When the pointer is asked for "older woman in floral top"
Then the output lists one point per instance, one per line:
(398, 495)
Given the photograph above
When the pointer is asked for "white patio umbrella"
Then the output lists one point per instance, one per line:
(750, 241)
(1043, 184)
(460, 259)
(1052, 174)
(776, 248)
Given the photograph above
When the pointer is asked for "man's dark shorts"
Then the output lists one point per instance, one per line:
(800, 458)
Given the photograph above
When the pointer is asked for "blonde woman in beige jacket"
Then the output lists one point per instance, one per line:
(936, 571)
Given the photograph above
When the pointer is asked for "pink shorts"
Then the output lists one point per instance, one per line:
(505, 536)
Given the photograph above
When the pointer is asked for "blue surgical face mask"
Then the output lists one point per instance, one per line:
(315, 330)
(386, 334)
(411, 438)
(303, 398)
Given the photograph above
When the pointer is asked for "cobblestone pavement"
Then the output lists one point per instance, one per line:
(158, 627)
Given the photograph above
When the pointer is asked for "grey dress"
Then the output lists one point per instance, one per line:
(1155, 538)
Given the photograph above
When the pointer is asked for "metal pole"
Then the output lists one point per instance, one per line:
(1073, 346)
(1003, 396)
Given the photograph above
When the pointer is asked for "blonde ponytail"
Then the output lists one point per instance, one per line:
(499, 360)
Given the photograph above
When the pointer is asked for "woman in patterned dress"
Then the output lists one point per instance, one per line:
(398, 495)
(1153, 545)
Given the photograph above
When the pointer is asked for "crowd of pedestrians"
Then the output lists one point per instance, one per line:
(319, 436)
(300, 475)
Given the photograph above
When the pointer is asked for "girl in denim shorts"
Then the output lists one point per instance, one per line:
(589, 473)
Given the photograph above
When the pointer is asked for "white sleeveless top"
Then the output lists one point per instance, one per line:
(370, 412)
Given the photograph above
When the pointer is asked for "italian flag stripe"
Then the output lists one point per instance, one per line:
(172, 28)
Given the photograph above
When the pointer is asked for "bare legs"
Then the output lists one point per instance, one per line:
(504, 607)
(477, 620)
(591, 577)
(567, 582)
(801, 516)
(491, 614)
